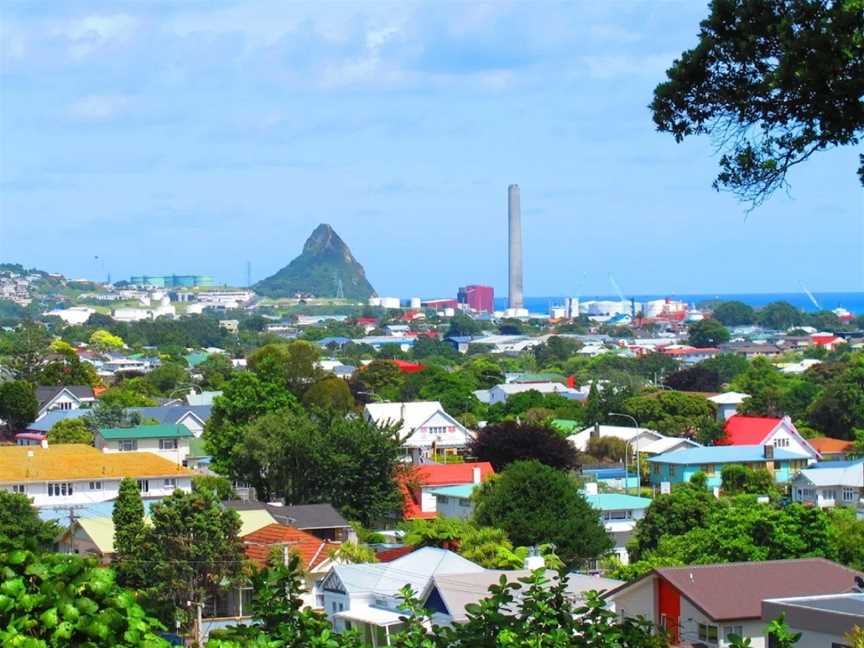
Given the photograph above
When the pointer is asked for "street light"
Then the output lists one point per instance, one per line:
(627, 453)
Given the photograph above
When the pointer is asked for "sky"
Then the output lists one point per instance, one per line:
(192, 137)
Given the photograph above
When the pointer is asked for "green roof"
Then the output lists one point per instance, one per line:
(163, 431)
(617, 502)
(195, 358)
(565, 425)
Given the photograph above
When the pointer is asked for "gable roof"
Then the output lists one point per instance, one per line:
(736, 590)
(626, 433)
(409, 414)
(851, 476)
(46, 393)
(748, 430)
(824, 445)
(724, 454)
(252, 521)
(77, 461)
(437, 475)
(259, 544)
(160, 431)
(728, 398)
(300, 516)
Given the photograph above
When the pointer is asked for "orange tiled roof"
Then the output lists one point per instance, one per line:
(259, 544)
(829, 445)
(77, 461)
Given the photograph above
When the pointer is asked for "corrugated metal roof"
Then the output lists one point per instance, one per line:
(159, 431)
(617, 502)
(724, 454)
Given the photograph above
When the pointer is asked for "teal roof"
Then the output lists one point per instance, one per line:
(723, 454)
(195, 358)
(463, 490)
(163, 431)
(617, 502)
(565, 425)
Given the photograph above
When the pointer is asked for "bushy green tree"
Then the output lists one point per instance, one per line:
(215, 370)
(536, 504)
(21, 527)
(779, 316)
(734, 313)
(379, 380)
(73, 430)
(670, 412)
(18, 404)
(25, 354)
(330, 393)
(503, 443)
(292, 366)
(128, 518)
(220, 486)
(707, 333)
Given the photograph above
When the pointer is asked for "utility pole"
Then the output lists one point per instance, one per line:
(198, 620)
(71, 508)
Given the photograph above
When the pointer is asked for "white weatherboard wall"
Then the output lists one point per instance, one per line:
(453, 507)
(177, 455)
(91, 491)
(637, 601)
(691, 617)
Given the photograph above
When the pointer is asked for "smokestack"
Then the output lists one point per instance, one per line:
(514, 210)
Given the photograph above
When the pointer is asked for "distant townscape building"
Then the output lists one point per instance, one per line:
(172, 281)
(477, 298)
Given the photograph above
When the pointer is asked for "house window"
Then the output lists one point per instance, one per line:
(18, 488)
(848, 494)
(781, 443)
(708, 633)
(96, 485)
(144, 485)
(167, 444)
(128, 445)
(169, 483)
(443, 499)
(616, 515)
(64, 406)
(61, 489)
(464, 502)
(829, 494)
(732, 629)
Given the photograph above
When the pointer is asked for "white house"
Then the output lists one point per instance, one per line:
(63, 398)
(423, 426)
(833, 483)
(365, 597)
(763, 430)
(821, 620)
(420, 484)
(169, 441)
(619, 514)
(454, 501)
(69, 474)
(705, 604)
(642, 440)
(727, 404)
(500, 393)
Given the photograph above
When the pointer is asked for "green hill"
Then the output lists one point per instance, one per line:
(325, 263)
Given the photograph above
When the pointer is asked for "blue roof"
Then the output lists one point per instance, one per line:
(617, 502)
(723, 454)
(163, 414)
(463, 490)
(333, 339)
(836, 464)
(95, 510)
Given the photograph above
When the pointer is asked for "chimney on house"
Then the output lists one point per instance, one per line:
(571, 382)
(534, 560)
(768, 451)
(475, 474)
(44, 443)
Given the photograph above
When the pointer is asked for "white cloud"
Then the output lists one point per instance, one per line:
(96, 108)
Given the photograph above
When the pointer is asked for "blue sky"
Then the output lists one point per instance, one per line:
(189, 137)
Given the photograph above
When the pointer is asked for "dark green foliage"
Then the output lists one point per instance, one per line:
(536, 504)
(503, 443)
(324, 263)
(726, 365)
(686, 507)
(737, 480)
(73, 430)
(168, 378)
(734, 313)
(707, 333)
(556, 350)
(128, 518)
(220, 487)
(696, 378)
(779, 316)
(839, 407)
(24, 353)
(18, 404)
(216, 369)
(773, 82)
(670, 412)
(461, 326)
(58, 600)
(21, 527)
(329, 393)
(379, 380)
(291, 366)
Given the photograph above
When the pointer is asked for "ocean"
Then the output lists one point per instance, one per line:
(851, 301)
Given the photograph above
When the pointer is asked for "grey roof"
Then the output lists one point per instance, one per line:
(45, 393)
(163, 414)
(300, 516)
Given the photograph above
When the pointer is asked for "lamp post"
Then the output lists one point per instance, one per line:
(627, 453)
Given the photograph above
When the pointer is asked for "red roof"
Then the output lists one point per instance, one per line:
(689, 350)
(748, 430)
(408, 367)
(824, 339)
(437, 475)
(389, 555)
(367, 320)
(259, 545)
(829, 445)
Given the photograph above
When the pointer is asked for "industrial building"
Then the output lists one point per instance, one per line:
(172, 281)
(477, 298)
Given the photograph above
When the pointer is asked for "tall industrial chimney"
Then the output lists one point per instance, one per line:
(514, 209)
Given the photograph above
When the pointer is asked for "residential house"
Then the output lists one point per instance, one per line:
(678, 467)
(449, 595)
(821, 620)
(68, 474)
(454, 501)
(89, 536)
(365, 597)
(689, 354)
(321, 520)
(706, 604)
(500, 393)
(424, 428)
(641, 440)
(752, 350)
(419, 484)
(507, 344)
(835, 483)
(169, 441)
(727, 404)
(63, 398)
(619, 514)
(194, 417)
(762, 430)
(831, 449)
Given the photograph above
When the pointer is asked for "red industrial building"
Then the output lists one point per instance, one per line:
(478, 298)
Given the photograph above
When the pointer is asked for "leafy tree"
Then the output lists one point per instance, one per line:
(556, 350)
(168, 377)
(73, 430)
(292, 366)
(686, 507)
(707, 333)
(461, 325)
(128, 518)
(839, 408)
(503, 443)
(696, 378)
(54, 599)
(124, 396)
(107, 414)
(772, 83)
(486, 373)
(215, 370)
(189, 554)
(18, 404)
(21, 527)
(353, 552)
(65, 368)
(105, 341)
(734, 313)
(726, 365)
(655, 365)
(670, 412)
(379, 380)
(244, 398)
(27, 350)
(779, 316)
(329, 393)
(219, 486)
(536, 504)
(607, 448)
(849, 533)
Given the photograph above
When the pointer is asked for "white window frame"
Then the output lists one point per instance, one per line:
(95, 485)
(21, 489)
(127, 445)
(144, 485)
(169, 483)
(60, 489)
(168, 444)
(705, 632)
